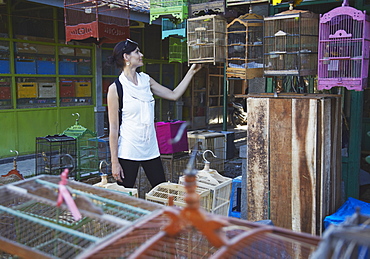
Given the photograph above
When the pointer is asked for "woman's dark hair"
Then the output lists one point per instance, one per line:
(122, 47)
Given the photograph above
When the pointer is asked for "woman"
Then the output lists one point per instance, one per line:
(134, 142)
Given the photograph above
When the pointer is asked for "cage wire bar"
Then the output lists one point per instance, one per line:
(97, 21)
(344, 47)
(198, 7)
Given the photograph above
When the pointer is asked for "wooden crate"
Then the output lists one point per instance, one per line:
(206, 39)
(294, 159)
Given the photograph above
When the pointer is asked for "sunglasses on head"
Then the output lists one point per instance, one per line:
(126, 44)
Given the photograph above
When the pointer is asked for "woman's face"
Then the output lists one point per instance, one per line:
(135, 58)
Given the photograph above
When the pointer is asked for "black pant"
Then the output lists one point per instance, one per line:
(153, 169)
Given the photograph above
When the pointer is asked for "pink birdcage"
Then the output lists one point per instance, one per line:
(97, 21)
(344, 44)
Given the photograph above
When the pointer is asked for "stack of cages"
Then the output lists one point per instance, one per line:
(219, 187)
(87, 151)
(344, 43)
(197, 7)
(178, 50)
(161, 193)
(245, 47)
(54, 154)
(173, 27)
(207, 140)
(177, 9)
(206, 37)
(290, 48)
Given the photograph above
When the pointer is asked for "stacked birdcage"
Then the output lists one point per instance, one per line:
(172, 27)
(34, 227)
(197, 7)
(206, 37)
(97, 21)
(54, 154)
(245, 47)
(177, 9)
(87, 164)
(344, 44)
(290, 43)
(162, 192)
(178, 51)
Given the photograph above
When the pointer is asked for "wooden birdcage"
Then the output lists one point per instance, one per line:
(170, 28)
(97, 21)
(344, 47)
(290, 43)
(206, 39)
(196, 7)
(175, 9)
(178, 51)
(245, 47)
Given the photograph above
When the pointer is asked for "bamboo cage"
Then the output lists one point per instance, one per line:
(206, 39)
(178, 51)
(245, 47)
(291, 43)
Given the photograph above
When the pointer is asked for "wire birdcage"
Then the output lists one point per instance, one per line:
(175, 9)
(344, 43)
(170, 28)
(245, 47)
(206, 37)
(290, 43)
(34, 227)
(97, 21)
(178, 50)
(198, 7)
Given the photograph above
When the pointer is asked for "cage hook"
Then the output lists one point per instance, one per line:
(78, 116)
(101, 165)
(204, 157)
(15, 158)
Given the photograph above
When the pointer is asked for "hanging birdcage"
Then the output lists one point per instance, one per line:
(175, 9)
(87, 164)
(344, 46)
(197, 7)
(97, 21)
(178, 52)
(244, 47)
(206, 39)
(171, 28)
(290, 43)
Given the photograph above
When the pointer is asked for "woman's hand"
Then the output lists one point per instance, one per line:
(195, 68)
(117, 172)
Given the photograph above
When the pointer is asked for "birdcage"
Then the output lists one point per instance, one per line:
(87, 164)
(290, 43)
(219, 187)
(54, 154)
(207, 140)
(235, 197)
(197, 7)
(244, 47)
(206, 37)
(161, 193)
(34, 227)
(97, 21)
(193, 233)
(173, 28)
(344, 44)
(175, 9)
(178, 50)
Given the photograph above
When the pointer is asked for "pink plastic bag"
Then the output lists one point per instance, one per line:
(167, 131)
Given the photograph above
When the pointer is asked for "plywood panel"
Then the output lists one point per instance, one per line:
(280, 131)
(257, 168)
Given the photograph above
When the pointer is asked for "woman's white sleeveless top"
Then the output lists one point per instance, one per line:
(137, 140)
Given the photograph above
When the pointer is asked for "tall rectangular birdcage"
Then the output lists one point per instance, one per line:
(54, 154)
(245, 47)
(199, 7)
(206, 39)
(97, 21)
(344, 46)
(174, 9)
(178, 51)
(290, 43)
